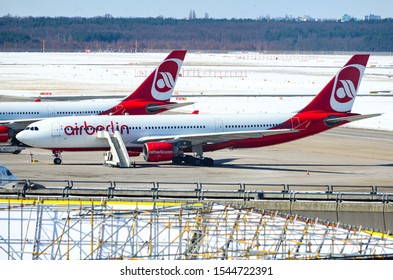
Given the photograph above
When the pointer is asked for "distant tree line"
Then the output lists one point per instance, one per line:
(142, 34)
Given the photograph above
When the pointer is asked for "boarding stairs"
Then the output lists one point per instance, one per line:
(118, 155)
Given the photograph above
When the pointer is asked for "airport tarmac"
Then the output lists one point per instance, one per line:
(342, 156)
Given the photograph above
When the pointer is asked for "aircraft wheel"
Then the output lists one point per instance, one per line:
(177, 160)
(57, 161)
(208, 162)
(196, 162)
(188, 159)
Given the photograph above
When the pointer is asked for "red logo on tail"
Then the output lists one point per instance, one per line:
(165, 79)
(345, 87)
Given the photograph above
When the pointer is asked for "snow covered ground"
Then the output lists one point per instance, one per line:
(255, 82)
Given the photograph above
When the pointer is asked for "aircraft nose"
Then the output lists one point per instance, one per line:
(24, 137)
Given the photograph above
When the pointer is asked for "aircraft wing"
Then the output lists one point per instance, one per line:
(337, 120)
(9, 98)
(203, 138)
(19, 124)
(154, 108)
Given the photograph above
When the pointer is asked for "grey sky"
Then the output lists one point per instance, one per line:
(181, 8)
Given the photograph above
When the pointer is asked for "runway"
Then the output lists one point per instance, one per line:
(342, 156)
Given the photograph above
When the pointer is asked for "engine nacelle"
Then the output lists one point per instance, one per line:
(158, 151)
(4, 134)
(133, 154)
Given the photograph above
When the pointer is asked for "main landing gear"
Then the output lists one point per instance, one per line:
(197, 160)
(57, 159)
(194, 161)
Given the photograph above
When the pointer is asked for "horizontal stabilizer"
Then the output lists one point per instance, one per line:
(337, 120)
(154, 108)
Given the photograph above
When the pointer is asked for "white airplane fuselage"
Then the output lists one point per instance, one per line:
(80, 133)
(37, 110)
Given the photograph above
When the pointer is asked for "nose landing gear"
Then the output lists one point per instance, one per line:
(57, 159)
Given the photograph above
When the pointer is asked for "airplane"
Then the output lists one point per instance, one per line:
(10, 181)
(151, 97)
(172, 137)
(6, 177)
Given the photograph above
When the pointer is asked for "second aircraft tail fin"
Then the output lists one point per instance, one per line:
(340, 93)
(160, 84)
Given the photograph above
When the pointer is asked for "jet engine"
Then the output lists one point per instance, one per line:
(158, 151)
(133, 154)
(4, 134)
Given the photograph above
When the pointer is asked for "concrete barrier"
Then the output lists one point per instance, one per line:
(373, 215)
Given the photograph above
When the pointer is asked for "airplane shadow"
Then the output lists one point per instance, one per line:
(280, 168)
(79, 164)
(386, 165)
(294, 167)
(228, 164)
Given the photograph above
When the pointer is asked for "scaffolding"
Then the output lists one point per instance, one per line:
(91, 230)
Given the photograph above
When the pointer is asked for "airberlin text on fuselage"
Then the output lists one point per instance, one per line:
(86, 129)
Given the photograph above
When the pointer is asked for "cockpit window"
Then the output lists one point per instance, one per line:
(32, 128)
(8, 172)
